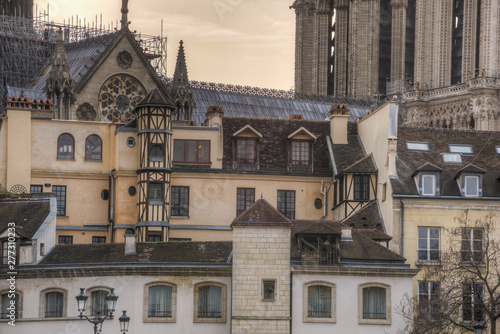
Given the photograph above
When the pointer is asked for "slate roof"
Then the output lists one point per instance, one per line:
(348, 154)
(28, 215)
(161, 252)
(483, 160)
(261, 213)
(368, 217)
(361, 248)
(274, 144)
(366, 164)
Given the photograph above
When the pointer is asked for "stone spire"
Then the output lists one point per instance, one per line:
(181, 90)
(124, 20)
(60, 86)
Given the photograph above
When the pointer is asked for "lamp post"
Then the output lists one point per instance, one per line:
(478, 327)
(98, 319)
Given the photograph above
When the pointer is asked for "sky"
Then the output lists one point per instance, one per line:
(242, 42)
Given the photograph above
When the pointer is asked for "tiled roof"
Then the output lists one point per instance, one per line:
(368, 217)
(273, 147)
(261, 213)
(28, 215)
(161, 252)
(484, 159)
(347, 154)
(366, 164)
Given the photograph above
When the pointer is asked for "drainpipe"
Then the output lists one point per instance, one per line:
(291, 296)
(402, 227)
(326, 200)
(111, 212)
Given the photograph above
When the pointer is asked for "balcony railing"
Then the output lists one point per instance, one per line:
(320, 258)
(432, 256)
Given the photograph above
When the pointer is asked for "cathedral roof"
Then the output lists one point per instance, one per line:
(484, 159)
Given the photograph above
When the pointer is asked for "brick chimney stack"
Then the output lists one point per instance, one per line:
(339, 115)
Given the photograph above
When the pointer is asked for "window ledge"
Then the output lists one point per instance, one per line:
(94, 160)
(155, 202)
(330, 320)
(159, 319)
(374, 321)
(209, 320)
(66, 159)
(179, 217)
(427, 263)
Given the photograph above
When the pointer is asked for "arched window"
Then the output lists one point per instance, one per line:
(97, 300)
(65, 146)
(161, 302)
(156, 153)
(93, 148)
(53, 303)
(320, 302)
(210, 302)
(375, 306)
(6, 310)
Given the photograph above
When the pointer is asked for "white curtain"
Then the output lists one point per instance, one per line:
(54, 304)
(210, 301)
(319, 301)
(160, 301)
(374, 303)
(99, 302)
(6, 304)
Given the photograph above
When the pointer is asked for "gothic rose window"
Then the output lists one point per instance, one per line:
(119, 96)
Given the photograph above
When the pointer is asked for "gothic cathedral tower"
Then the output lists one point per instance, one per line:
(432, 52)
(154, 128)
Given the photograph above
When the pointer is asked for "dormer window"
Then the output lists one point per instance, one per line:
(300, 156)
(427, 182)
(301, 153)
(470, 182)
(428, 185)
(245, 151)
(471, 186)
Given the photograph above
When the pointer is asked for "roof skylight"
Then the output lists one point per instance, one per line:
(417, 146)
(497, 149)
(452, 158)
(464, 149)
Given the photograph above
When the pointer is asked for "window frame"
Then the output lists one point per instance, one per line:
(477, 188)
(36, 187)
(197, 154)
(178, 201)
(43, 302)
(19, 305)
(388, 307)
(274, 283)
(95, 239)
(473, 294)
(146, 317)
(434, 187)
(154, 234)
(333, 305)
(88, 152)
(472, 242)
(300, 144)
(4, 252)
(61, 204)
(246, 140)
(283, 206)
(245, 202)
(64, 236)
(427, 249)
(90, 302)
(432, 295)
(222, 318)
(416, 146)
(156, 157)
(60, 145)
(155, 200)
(360, 181)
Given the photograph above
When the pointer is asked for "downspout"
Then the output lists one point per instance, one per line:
(110, 203)
(326, 200)
(335, 172)
(402, 227)
(291, 297)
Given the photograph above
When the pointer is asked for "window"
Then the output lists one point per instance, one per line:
(54, 304)
(5, 252)
(472, 302)
(464, 149)
(341, 189)
(98, 302)
(180, 201)
(197, 151)
(361, 187)
(497, 149)
(98, 240)
(428, 298)
(245, 197)
(245, 151)
(155, 193)
(11, 304)
(210, 302)
(156, 153)
(471, 186)
(36, 189)
(153, 236)
(65, 146)
(65, 240)
(93, 148)
(161, 297)
(268, 290)
(286, 203)
(417, 146)
(301, 153)
(452, 158)
(60, 192)
(429, 244)
(320, 302)
(375, 303)
(472, 245)
(428, 185)
(130, 142)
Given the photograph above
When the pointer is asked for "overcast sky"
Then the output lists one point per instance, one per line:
(245, 42)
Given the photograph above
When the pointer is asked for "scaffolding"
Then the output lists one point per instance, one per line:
(27, 45)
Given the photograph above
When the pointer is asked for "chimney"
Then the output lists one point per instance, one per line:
(339, 114)
(214, 116)
(129, 244)
(346, 234)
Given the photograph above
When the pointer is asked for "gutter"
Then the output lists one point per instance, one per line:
(447, 197)
(402, 227)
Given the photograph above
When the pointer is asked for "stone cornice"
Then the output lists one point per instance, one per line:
(381, 271)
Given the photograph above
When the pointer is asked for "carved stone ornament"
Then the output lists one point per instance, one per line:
(124, 59)
(85, 112)
(119, 96)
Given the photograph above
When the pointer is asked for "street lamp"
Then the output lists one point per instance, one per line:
(98, 319)
(478, 327)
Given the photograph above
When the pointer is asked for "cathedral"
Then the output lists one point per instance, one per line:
(441, 57)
